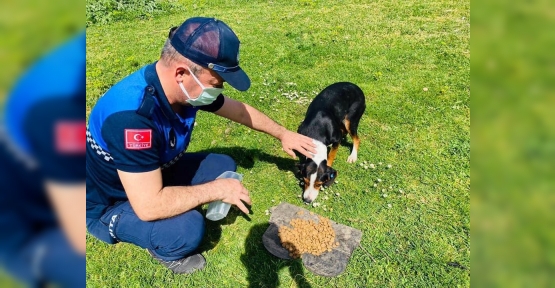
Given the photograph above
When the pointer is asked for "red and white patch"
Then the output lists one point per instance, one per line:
(138, 139)
(70, 137)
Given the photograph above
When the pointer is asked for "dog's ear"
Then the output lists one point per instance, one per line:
(328, 178)
(300, 168)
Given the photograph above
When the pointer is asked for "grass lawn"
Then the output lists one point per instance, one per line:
(412, 60)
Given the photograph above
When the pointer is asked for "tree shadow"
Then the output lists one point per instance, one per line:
(263, 267)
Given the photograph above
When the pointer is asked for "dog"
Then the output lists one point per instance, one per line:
(332, 114)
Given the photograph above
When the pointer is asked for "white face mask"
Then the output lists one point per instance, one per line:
(207, 96)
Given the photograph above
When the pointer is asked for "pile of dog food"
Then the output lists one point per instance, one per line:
(307, 236)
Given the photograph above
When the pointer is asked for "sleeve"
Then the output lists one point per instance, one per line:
(133, 141)
(214, 106)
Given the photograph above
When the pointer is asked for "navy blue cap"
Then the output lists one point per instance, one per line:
(212, 44)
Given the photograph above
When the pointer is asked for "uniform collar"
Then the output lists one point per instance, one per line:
(153, 80)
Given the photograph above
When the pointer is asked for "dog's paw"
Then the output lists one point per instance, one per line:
(352, 159)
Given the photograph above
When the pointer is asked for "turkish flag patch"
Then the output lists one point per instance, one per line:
(71, 137)
(138, 139)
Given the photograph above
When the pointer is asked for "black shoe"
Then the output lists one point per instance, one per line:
(185, 265)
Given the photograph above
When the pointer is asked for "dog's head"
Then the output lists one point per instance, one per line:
(313, 176)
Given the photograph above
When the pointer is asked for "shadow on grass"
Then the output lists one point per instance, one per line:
(263, 267)
(213, 229)
(245, 158)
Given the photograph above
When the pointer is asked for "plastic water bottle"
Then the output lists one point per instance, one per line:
(217, 210)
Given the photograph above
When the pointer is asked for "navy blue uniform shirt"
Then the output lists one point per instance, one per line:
(133, 128)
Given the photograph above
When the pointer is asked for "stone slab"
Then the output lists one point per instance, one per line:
(329, 264)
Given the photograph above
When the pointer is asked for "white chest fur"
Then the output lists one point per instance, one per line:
(321, 152)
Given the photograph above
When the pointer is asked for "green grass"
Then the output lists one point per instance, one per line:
(292, 50)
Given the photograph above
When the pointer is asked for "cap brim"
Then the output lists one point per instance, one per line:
(237, 79)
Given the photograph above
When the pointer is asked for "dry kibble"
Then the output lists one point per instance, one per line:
(307, 236)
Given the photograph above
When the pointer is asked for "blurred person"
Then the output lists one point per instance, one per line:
(142, 188)
(42, 171)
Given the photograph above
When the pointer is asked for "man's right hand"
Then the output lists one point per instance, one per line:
(233, 192)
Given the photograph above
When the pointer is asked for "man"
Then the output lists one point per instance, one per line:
(142, 187)
(42, 171)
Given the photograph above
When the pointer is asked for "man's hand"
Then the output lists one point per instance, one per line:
(234, 193)
(293, 141)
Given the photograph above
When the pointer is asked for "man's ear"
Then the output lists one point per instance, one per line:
(180, 73)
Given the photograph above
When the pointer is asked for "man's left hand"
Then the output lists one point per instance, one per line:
(300, 143)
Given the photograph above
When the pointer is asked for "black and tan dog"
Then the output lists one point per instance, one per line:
(334, 112)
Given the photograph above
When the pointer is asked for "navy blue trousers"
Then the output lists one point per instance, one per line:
(172, 238)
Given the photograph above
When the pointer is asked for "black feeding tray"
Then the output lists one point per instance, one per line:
(329, 264)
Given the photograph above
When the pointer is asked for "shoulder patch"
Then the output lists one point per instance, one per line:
(70, 137)
(138, 139)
